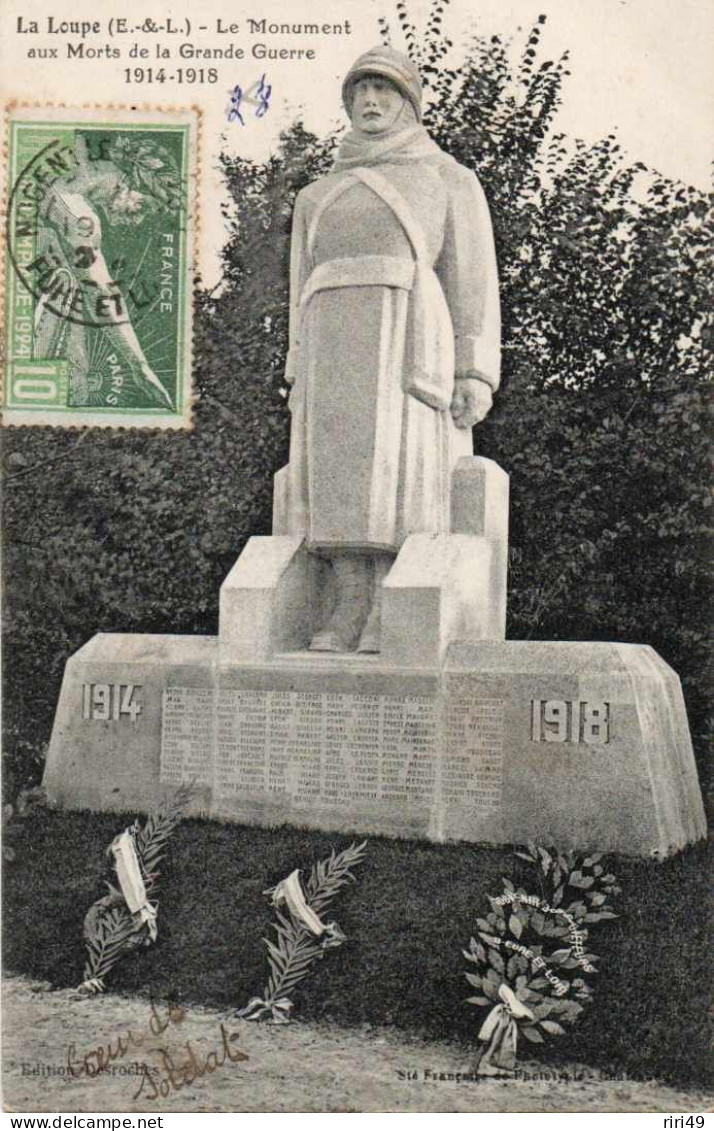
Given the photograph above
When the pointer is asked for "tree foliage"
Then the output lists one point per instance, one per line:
(602, 421)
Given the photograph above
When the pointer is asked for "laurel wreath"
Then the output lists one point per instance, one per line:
(292, 956)
(515, 937)
(110, 929)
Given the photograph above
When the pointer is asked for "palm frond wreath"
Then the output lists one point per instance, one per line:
(302, 938)
(529, 988)
(111, 928)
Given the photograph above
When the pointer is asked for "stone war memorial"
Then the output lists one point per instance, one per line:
(361, 679)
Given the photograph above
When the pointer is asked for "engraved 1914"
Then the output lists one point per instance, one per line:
(109, 702)
(570, 720)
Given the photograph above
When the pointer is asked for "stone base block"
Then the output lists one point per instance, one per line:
(479, 506)
(577, 745)
(105, 750)
(269, 600)
(438, 591)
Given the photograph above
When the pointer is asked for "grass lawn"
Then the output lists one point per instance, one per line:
(406, 921)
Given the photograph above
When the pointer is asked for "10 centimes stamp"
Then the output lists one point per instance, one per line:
(99, 253)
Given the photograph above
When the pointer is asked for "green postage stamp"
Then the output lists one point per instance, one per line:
(98, 266)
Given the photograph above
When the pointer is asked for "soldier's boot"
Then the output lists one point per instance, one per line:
(353, 576)
(370, 640)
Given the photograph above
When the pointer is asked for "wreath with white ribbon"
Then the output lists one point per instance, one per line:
(302, 936)
(530, 959)
(125, 918)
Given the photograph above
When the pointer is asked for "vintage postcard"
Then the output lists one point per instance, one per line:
(354, 448)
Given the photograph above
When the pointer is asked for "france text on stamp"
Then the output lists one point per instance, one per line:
(98, 266)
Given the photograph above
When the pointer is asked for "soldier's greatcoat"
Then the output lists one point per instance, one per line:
(394, 290)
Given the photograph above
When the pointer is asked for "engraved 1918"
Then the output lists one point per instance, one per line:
(570, 720)
(110, 701)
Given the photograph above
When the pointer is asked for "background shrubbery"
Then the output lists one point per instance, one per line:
(601, 423)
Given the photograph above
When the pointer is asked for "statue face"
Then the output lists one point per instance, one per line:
(376, 104)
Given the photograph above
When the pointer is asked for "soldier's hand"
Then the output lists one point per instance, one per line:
(471, 402)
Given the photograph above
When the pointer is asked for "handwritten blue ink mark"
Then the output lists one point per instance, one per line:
(264, 91)
(234, 114)
(258, 95)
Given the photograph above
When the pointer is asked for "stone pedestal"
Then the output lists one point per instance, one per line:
(577, 745)
(450, 733)
(442, 587)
